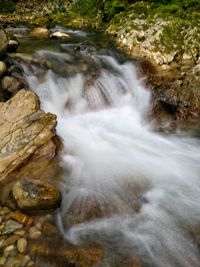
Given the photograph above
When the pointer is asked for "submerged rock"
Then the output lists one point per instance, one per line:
(36, 195)
(24, 129)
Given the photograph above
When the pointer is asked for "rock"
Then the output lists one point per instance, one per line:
(36, 195)
(3, 68)
(24, 129)
(18, 260)
(9, 241)
(3, 42)
(10, 227)
(5, 211)
(34, 233)
(66, 255)
(22, 245)
(20, 232)
(43, 163)
(30, 264)
(2, 260)
(39, 32)
(21, 218)
(12, 46)
(9, 251)
(178, 98)
(11, 84)
(59, 35)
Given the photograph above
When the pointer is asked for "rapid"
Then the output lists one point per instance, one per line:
(133, 191)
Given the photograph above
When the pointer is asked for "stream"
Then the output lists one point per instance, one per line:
(127, 188)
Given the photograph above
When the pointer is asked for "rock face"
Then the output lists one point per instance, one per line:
(179, 98)
(35, 195)
(24, 130)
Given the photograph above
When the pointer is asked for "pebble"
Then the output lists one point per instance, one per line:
(9, 241)
(9, 251)
(25, 260)
(38, 225)
(20, 232)
(22, 245)
(4, 210)
(34, 233)
(30, 264)
(2, 260)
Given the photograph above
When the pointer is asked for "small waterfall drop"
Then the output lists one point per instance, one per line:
(133, 191)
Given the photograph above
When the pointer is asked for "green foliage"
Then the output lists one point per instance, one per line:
(90, 8)
(7, 6)
(112, 7)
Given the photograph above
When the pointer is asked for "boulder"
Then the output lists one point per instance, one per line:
(39, 32)
(59, 35)
(4, 39)
(33, 195)
(24, 130)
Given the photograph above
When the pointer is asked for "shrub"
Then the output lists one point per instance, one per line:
(7, 6)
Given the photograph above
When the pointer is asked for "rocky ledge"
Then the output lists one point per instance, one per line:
(166, 40)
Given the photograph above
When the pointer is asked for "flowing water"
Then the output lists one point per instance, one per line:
(131, 190)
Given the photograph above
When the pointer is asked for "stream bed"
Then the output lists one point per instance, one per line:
(131, 191)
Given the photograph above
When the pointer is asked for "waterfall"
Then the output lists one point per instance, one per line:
(131, 190)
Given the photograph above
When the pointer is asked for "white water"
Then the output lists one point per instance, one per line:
(109, 150)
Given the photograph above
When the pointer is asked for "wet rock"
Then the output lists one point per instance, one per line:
(21, 218)
(3, 42)
(18, 260)
(9, 241)
(3, 68)
(39, 32)
(66, 255)
(34, 233)
(22, 245)
(36, 195)
(178, 98)
(11, 84)
(10, 227)
(59, 35)
(12, 46)
(24, 129)
(9, 251)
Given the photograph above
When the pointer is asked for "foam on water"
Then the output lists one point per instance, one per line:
(109, 150)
